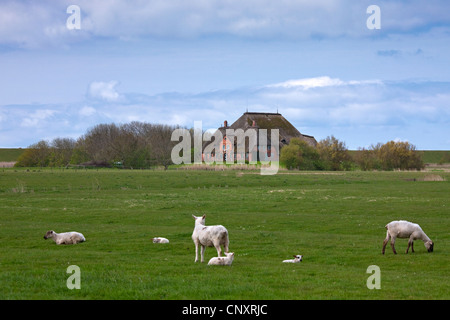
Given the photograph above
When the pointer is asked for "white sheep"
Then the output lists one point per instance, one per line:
(406, 229)
(298, 258)
(222, 261)
(208, 236)
(160, 240)
(65, 237)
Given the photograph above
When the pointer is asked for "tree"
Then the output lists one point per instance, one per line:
(389, 156)
(334, 154)
(36, 155)
(367, 159)
(399, 155)
(79, 153)
(159, 138)
(135, 145)
(61, 152)
(299, 154)
(291, 156)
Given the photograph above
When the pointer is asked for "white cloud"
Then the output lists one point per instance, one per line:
(309, 83)
(87, 111)
(320, 82)
(104, 91)
(359, 112)
(39, 23)
(37, 118)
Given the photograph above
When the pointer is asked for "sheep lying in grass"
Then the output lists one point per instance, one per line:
(222, 261)
(208, 236)
(160, 240)
(298, 258)
(406, 229)
(65, 237)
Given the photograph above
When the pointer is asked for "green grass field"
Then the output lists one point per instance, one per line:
(335, 219)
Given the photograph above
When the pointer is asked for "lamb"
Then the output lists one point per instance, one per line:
(225, 261)
(160, 240)
(298, 258)
(208, 236)
(65, 237)
(406, 229)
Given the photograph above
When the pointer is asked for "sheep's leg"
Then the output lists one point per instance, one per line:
(410, 244)
(196, 252)
(384, 245)
(203, 253)
(225, 246)
(392, 245)
(216, 244)
(388, 236)
(219, 250)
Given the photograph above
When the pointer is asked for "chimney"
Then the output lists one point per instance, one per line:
(225, 123)
(254, 123)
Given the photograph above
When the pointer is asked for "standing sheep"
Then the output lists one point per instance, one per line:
(208, 236)
(406, 229)
(65, 237)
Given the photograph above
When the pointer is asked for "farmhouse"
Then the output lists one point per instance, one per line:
(255, 121)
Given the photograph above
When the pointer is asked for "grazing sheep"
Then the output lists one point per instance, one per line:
(222, 261)
(298, 258)
(160, 240)
(208, 236)
(65, 237)
(406, 229)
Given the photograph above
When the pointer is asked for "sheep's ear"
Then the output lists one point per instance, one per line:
(204, 216)
(194, 217)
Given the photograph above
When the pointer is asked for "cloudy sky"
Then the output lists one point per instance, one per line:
(178, 61)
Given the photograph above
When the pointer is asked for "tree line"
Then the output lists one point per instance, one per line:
(145, 145)
(132, 145)
(332, 154)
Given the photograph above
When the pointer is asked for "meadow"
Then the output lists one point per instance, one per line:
(334, 219)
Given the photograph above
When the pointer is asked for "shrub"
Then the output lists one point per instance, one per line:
(36, 155)
(389, 156)
(333, 154)
(299, 154)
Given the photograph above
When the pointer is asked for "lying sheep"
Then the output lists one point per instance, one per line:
(222, 261)
(208, 236)
(160, 240)
(406, 229)
(298, 258)
(65, 237)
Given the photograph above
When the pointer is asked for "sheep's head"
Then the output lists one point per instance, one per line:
(49, 234)
(298, 257)
(429, 245)
(230, 255)
(200, 220)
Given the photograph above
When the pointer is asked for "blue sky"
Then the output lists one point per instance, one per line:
(177, 62)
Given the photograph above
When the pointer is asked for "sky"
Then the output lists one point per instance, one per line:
(321, 64)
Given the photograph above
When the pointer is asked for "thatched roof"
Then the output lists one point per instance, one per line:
(260, 120)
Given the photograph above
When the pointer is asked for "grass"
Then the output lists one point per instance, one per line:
(10, 154)
(336, 220)
(436, 156)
